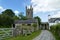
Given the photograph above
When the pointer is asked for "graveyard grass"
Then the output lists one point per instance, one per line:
(28, 37)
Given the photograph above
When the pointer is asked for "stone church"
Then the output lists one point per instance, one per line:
(29, 25)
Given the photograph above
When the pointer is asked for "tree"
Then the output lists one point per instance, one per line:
(8, 12)
(7, 18)
(16, 18)
(39, 20)
(22, 17)
(6, 21)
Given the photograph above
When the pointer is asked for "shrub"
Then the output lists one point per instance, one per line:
(56, 30)
(34, 25)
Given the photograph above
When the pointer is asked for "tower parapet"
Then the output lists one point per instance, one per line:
(29, 12)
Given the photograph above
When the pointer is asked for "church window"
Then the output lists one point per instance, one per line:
(28, 13)
(29, 24)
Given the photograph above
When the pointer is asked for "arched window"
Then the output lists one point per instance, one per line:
(28, 13)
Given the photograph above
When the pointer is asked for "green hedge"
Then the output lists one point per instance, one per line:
(55, 29)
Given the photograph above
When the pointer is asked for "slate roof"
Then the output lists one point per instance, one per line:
(52, 20)
(25, 21)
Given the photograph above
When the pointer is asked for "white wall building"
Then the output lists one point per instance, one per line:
(54, 19)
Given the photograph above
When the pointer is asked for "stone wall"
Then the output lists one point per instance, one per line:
(22, 29)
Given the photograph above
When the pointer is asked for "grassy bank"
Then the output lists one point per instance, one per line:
(28, 37)
(55, 29)
(56, 36)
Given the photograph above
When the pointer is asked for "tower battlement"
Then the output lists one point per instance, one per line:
(29, 12)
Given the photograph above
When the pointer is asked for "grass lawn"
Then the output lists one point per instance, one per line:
(29, 37)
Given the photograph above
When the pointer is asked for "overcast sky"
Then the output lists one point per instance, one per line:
(42, 8)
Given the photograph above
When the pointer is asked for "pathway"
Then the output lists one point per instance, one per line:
(45, 35)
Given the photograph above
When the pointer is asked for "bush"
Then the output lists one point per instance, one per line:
(34, 25)
(56, 30)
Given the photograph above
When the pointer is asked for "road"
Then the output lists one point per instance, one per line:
(45, 35)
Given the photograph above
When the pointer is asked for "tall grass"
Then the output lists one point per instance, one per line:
(55, 29)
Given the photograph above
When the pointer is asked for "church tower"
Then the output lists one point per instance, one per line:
(29, 12)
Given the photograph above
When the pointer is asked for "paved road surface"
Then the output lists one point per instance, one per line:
(45, 35)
